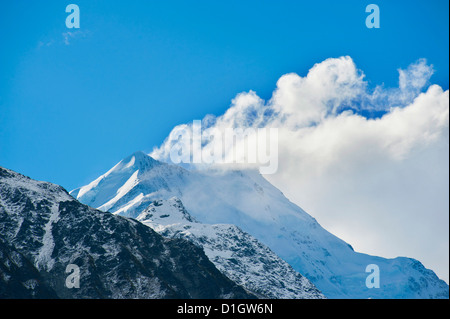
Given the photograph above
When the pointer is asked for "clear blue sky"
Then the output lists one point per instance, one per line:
(135, 69)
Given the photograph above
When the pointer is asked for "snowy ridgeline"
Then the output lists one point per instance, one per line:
(237, 254)
(259, 210)
(43, 230)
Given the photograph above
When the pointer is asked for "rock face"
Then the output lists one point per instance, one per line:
(43, 230)
(247, 200)
(19, 278)
(234, 252)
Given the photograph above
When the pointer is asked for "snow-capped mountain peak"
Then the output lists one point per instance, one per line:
(43, 230)
(124, 173)
(137, 161)
(246, 199)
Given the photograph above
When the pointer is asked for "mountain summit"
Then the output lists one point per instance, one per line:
(247, 200)
(43, 230)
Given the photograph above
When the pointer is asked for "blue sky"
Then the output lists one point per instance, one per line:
(70, 108)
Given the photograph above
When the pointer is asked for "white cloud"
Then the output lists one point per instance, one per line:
(328, 85)
(414, 78)
(411, 82)
(379, 183)
(70, 35)
(67, 38)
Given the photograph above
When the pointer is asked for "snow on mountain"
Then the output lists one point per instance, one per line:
(43, 229)
(19, 278)
(235, 253)
(247, 200)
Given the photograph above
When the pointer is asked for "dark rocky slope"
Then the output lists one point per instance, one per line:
(43, 229)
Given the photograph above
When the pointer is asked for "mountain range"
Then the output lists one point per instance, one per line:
(43, 230)
(149, 229)
(245, 199)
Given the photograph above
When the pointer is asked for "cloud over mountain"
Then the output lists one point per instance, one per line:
(371, 164)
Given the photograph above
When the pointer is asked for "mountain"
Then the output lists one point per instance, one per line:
(247, 200)
(19, 278)
(43, 230)
(235, 253)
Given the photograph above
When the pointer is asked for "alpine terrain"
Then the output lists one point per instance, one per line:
(43, 230)
(237, 254)
(259, 210)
